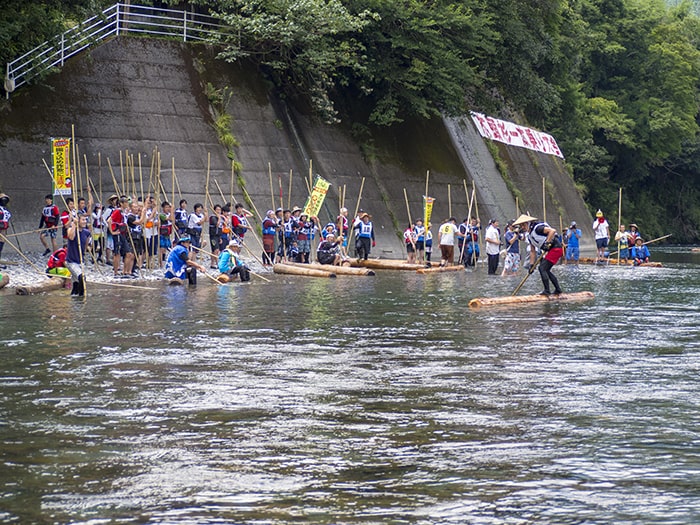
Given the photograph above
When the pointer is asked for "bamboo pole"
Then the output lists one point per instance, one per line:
(117, 189)
(449, 200)
(272, 191)
(619, 222)
(289, 195)
(544, 201)
(121, 170)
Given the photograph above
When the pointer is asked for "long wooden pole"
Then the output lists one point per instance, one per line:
(289, 195)
(449, 200)
(357, 209)
(469, 216)
(619, 222)
(544, 201)
(653, 240)
(272, 191)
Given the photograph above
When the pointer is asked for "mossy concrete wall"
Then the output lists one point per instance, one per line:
(135, 96)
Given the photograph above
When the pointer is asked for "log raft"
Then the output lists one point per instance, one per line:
(518, 299)
(385, 264)
(338, 270)
(289, 269)
(439, 269)
(611, 261)
(42, 286)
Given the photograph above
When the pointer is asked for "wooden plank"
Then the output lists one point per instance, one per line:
(519, 299)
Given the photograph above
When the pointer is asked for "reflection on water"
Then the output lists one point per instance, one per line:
(355, 400)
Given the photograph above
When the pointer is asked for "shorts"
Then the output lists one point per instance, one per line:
(602, 243)
(122, 246)
(624, 253)
(49, 232)
(165, 242)
(409, 248)
(419, 245)
(304, 245)
(214, 242)
(572, 253)
(268, 243)
(110, 241)
(448, 252)
(512, 262)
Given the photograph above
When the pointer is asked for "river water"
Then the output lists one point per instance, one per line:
(356, 400)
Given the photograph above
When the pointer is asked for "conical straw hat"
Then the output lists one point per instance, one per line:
(523, 219)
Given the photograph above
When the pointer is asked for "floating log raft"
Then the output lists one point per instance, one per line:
(55, 283)
(176, 282)
(290, 269)
(338, 270)
(605, 262)
(518, 299)
(438, 269)
(4, 280)
(385, 264)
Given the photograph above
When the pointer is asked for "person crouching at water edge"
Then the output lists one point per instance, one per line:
(329, 252)
(179, 265)
(364, 232)
(543, 237)
(79, 237)
(230, 262)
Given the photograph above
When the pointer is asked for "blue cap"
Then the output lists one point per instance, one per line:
(185, 238)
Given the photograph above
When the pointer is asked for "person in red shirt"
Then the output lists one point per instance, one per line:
(48, 224)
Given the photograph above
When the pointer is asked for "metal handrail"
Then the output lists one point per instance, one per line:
(113, 21)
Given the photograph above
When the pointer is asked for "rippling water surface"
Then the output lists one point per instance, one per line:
(356, 400)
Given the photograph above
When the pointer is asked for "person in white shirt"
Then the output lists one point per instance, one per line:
(493, 245)
(446, 240)
(602, 234)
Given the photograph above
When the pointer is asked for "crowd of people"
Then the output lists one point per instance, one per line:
(130, 234)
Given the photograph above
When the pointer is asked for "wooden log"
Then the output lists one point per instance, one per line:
(176, 282)
(338, 270)
(653, 264)
(42, 286)
(385, 264)
(289, 269)
(438, 269)
(606, 262)
(519, 299)
(4, 280)
(223, 278)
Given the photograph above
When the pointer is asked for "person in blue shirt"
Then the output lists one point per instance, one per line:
(571, 239)
(640, 253)
(230, 262)
(179, 265)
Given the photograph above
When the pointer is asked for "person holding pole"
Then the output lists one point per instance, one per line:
(543, 237)
(79, 237)
(48, 224)
(5, 217)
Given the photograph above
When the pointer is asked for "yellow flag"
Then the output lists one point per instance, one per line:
(427, 209)
(62, 181)
(318, 194)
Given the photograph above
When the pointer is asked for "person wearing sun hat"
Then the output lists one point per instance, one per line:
(602, 234)
(543, 237)
(364, 235)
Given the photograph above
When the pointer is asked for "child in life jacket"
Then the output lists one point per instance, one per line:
(55, 265)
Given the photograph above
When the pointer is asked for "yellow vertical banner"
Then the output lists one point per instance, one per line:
(62, 180)
(317, 196)
(427, 209)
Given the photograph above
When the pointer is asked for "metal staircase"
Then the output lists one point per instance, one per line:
(114, 21)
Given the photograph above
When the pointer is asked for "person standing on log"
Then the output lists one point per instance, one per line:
(79, 237)
(446, 241)
(543, 237)
(364, 235)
